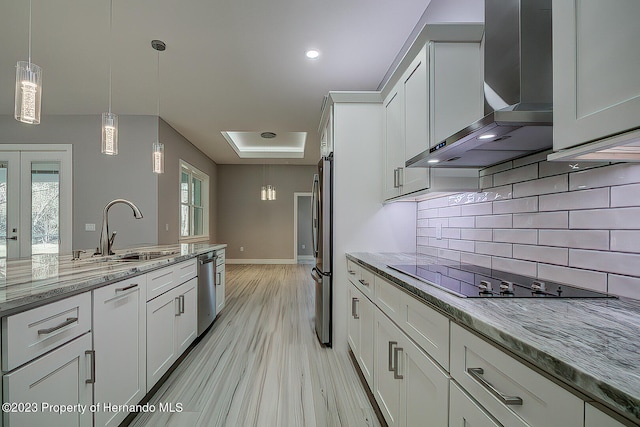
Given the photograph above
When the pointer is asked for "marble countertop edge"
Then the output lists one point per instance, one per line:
(473, 313)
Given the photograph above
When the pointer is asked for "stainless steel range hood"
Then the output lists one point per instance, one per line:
(518, 89)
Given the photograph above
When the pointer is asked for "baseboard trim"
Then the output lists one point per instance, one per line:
(260, 261)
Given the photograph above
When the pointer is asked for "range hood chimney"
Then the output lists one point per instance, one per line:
(518, 90)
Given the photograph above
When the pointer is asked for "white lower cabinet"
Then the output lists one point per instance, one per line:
(119, 341)
(360, 332)
(171, 328)
(410, 388)
(220, 287)
(61, 377)
(593, 417)
(464, 412)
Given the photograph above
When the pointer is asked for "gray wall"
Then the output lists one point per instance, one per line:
(97, 178)
(304, 226)
(177, 147)
(264, 228)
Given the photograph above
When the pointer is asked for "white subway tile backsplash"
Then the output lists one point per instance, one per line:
(435, 222)
(527, 204)
(578, 239)
(476, 259)
(497, 168)
(427, 213)
(619, 174)
(478, 209)
(524, 173)
(426, 232)
(611, 262)
(462, 245)
(587, 199)
(541, 220)
(558, 256)
(614, 219)
(423, 205)
(438, 243)
(486, 181)
(448, 254)
(625, 241)
(451, 233)
(525, 268)
(593, 280)
(494, 221)
(497, 249)
(625, 195)
(463, 222)
(499, 193)
(481, 234)
(516, 236)
(422, 223)
(552, 184)
(449, 211)
(427, 250)
(440, 202)
(624, 286)
(557, 168)
(422, 240)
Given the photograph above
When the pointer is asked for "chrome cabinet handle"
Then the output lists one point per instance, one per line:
(126, 288)
(67, 322)
(476, 374)
(396, 178)
(354, 307)
(176, 300)
(219, 279)
(391, 344)
(396, 375)
(351, 272)
(365, 283)
(181, 298)
(91, 353)
(400, 177)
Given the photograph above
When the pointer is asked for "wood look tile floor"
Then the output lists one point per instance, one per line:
(261, 363)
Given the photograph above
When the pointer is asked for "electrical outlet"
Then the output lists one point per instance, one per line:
(89, 227)
(241, 248)
(166, 227)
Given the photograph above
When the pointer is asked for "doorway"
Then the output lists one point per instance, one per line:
(303, 253)
(35, 199)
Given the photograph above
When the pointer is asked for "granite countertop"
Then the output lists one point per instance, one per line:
(30, 282)
(589, 344)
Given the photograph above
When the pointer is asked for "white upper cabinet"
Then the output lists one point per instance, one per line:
(596, 82)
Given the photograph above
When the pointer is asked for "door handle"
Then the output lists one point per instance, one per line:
(12, 238)
(91, 353)
(395, 178)
(477, 374)
(400, 177)
(396, 351)
(67, 322)
(176, 301)
(364, 282)
(126, 288)
(181, 301)
(391, 345)
(354, 306)
(315, 277)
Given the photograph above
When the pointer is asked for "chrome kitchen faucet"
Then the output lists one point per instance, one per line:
(106, 242)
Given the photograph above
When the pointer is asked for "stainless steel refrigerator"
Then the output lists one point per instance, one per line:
(322, 237)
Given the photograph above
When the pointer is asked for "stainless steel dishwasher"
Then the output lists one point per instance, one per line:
(206, 290)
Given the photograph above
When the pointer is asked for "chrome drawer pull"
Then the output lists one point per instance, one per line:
(354, 306)
(67, 322)
(181, 302)
(476, 374)
(91, 353)
(396, 375)
(126, 288)
(391, 344)
(351, 272)
(363, 282)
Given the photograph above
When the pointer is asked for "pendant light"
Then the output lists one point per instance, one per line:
(28, 88)
(110, 120)
(158, 147)
(268, 191)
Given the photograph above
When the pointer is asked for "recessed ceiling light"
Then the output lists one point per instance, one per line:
(487, 136)
(312, 54)
(433, 161)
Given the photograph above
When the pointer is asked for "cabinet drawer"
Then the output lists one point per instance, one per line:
(353, 271)
(479, 366)
(366, 282)
(463, 411)
(388, 298)
(160, 281)
(428, 328)
(33, 333)
(221, 257)
(186, 270)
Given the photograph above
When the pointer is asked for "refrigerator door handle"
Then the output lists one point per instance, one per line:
(314, 215)
(316, 277)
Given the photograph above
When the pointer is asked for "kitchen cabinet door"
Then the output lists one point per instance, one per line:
(393, 126)
(594, 417)
(353, 325)
(187, 320)
(57, 378)
(426, 394)
(387, 388)
(220, 288)
(596, 84)
(119, 341)
(161, 335)
(367, 339)
(464, 412)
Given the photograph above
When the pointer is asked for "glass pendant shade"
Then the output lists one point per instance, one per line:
(158, 157)
(28, 92)
(109, 134)
(273, 192)
(263, 193)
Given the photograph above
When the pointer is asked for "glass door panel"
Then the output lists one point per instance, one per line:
(45, 207)
(9, 204)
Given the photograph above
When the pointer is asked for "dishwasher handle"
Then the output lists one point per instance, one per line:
(204, 261)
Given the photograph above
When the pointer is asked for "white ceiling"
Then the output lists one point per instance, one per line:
(230, 65)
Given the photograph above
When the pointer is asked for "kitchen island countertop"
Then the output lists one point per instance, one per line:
(26, 283)
(589, 344)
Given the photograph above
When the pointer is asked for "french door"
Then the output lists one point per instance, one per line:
(35, 200)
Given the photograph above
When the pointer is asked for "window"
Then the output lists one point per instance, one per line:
(194, 203)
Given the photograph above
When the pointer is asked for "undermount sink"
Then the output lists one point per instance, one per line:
(142, 256)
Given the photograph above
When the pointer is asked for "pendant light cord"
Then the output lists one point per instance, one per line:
(29, 34)
(158, 89)
(110, 47)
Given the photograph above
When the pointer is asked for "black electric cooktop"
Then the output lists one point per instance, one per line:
(471, 281)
